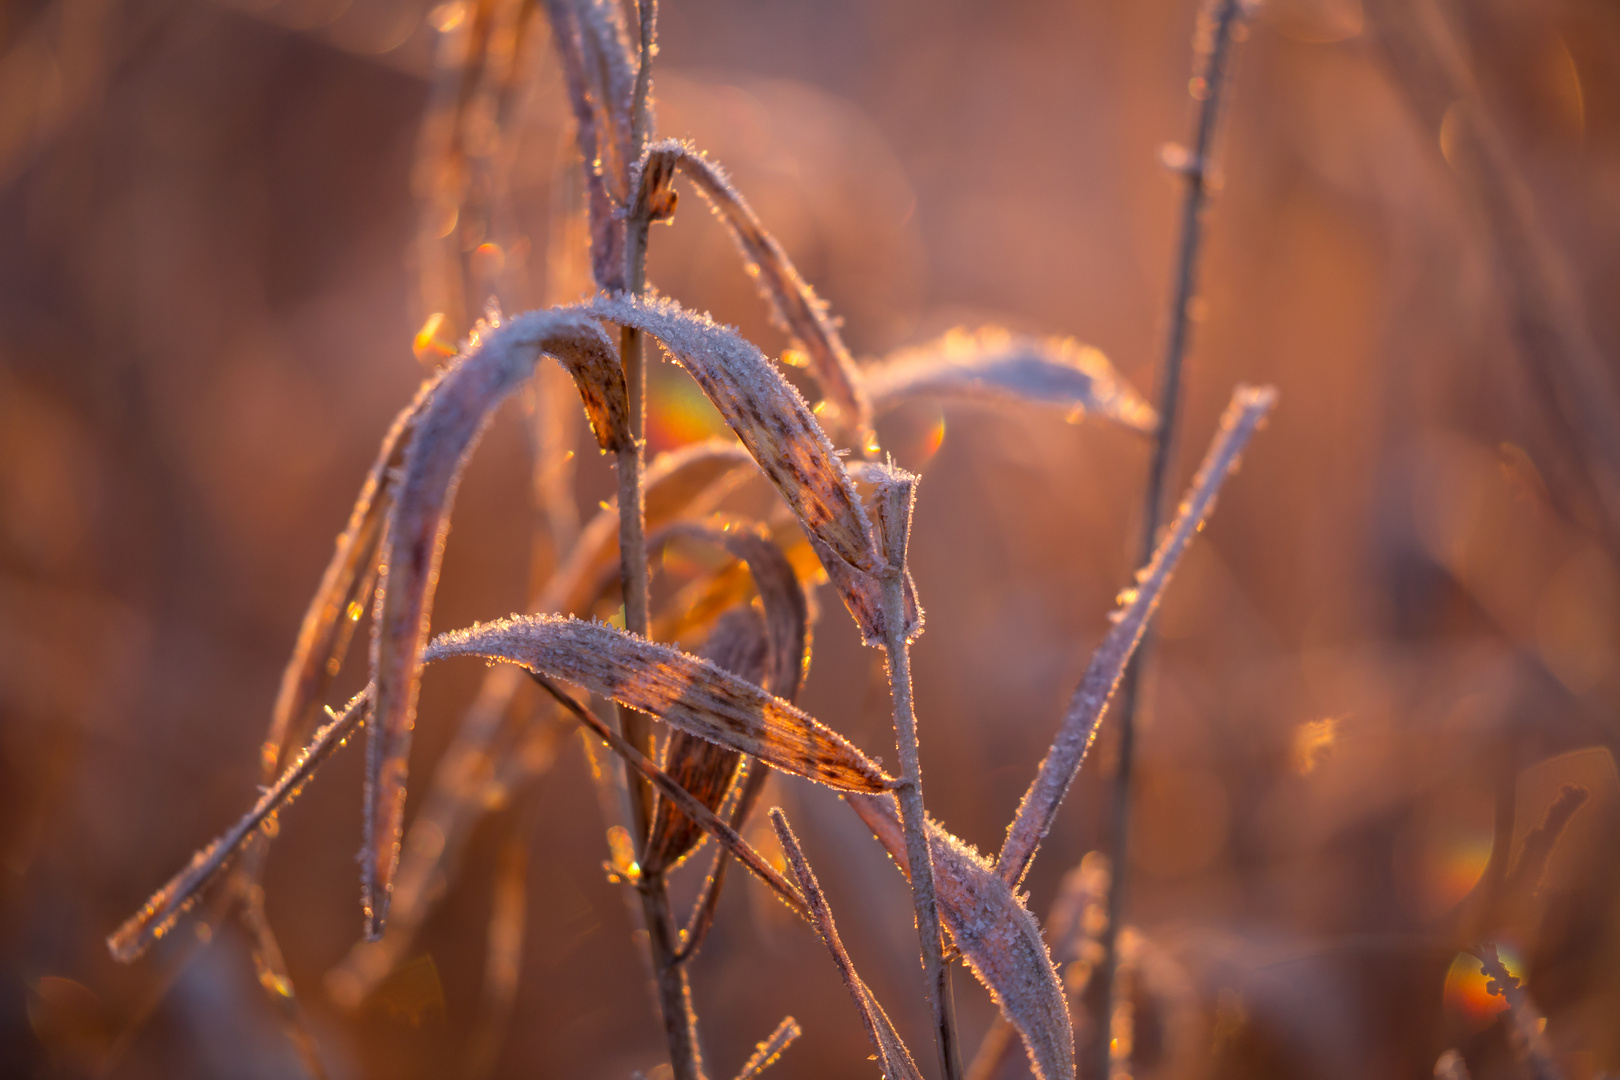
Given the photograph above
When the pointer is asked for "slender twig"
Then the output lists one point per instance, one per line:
(1213, 47)
(935, 973)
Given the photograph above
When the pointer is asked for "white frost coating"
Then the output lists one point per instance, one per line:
(767, 414)
(995, 932)
(992, 364)
(1062, 762)
(686, 692)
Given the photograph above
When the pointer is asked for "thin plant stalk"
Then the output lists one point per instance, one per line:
(1208, 85)
(669, 974)
(936, 974)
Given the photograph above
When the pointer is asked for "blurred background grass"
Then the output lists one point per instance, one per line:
(1396, 640)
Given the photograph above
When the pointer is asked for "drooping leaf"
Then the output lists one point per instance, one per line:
(795, 307)
(992, 364)
(1062, 763)
(446, 432)
(995, 933)
(893, 1057)
(684, 691)
(767, 414)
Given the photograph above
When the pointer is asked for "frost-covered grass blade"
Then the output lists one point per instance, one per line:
(1062, 763)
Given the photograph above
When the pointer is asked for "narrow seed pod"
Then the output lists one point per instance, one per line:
(795, 308)
(995, 933)
(767, 414)
(499, 359)
(992, 364)
(893, 1058)
(1062, 762)
(684, 691)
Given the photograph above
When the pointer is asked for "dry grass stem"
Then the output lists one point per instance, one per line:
(163, 910)
(1526, 1026)
(894, 1059)
(766, 1053)
(1062, 763)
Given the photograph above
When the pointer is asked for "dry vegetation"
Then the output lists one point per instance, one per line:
(1333, 793)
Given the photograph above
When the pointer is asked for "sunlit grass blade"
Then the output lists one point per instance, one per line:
(992, 364)
(1062, 763)
(995, 933)
(497, 362)
(165, 907)
(766, 1053)
(894, 1059)
(767, 414)
(684, 691)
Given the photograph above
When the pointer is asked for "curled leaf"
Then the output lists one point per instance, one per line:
(795, 307)
(889, 491)
(686, 692)
(160, 913)
(992, 364)
(893, 1057)
(1062, 762)
(995, 933)
(767, 414)
(446, 431)
(335, 609)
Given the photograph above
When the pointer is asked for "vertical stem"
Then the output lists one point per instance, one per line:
(1212, 46)
(669, 974)
(936, 975)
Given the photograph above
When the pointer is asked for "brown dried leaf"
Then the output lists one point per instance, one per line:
(995, 933)
(163, 910)
(1062, 763)
(767, 414)
(893, 1057)
(500, 358)
(992, 364)
(684, 691)
(795, 307)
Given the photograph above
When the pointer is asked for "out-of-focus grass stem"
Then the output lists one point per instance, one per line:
(1212, 46)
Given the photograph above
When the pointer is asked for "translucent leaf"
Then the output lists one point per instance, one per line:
(684, 691)
(995, 933)
(1062, 763)
(992, 364)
